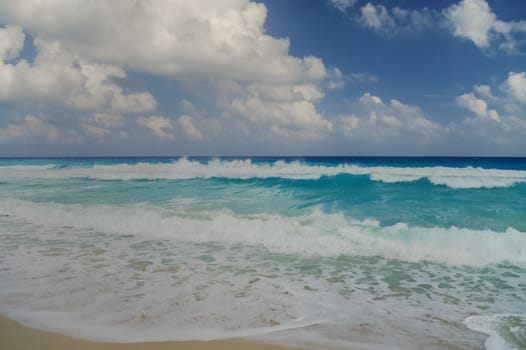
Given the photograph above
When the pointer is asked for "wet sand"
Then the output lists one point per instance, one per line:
(14, 336)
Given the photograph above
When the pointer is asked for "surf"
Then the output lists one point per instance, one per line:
(313, 234)
(184, 168)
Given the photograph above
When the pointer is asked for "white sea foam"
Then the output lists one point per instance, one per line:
(143, 272)
(315, 234)
(467, 177)
(499, 327)
(54, 321)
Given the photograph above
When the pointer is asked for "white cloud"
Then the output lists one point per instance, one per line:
(284, 111)
(512, 98)
(505, 123)
(478, 106)
(343, 5)
(84, 49)
(484, 92)
(363, 78)
(31, 129)
(100, 125)
(376, 17)
(378, 120)
(515, 86)
(475, 105)
(131, 103)
(414, 20)
(335, 85)
(158, 125)
(474, 20)
(222, 39)
(11, 42)
(397, 20)
(369, 100)
(335, 80)
(350, 123)
(59, 78)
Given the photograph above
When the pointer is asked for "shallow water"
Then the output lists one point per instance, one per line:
(325, 252)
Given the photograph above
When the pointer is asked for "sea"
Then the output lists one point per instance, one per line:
(316, 252)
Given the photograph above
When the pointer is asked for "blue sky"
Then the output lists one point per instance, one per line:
(269, 77)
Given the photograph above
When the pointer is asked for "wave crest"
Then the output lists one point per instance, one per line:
(315, 234)
(467, 177)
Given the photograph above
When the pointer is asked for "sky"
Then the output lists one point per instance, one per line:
(262, 77)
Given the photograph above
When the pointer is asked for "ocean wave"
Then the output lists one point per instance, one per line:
(314, 234)
(454, 177)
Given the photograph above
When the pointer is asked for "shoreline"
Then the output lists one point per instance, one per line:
(14, 335)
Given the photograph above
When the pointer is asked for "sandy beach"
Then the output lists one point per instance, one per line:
(14, 336)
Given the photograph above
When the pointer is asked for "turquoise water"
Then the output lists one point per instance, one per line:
(400, 253)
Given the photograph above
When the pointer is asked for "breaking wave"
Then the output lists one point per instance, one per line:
(454, 177)
(314, 234)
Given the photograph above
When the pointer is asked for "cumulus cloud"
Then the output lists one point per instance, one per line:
(335, 85)
(158, 126)
(343, 5)
(99, 125)
(397, 20)
(58, 77)
(484, 91)
(84, 49)
(363, 78)
(475, 21)
(30, 129)
(515, 87)
(478, 106)
(505, 123)
(414, 20)
(284, 111)
(11, 42)
(472, 20)
(378, 120)
(376, 17)
(223, 39)
(339, 80)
